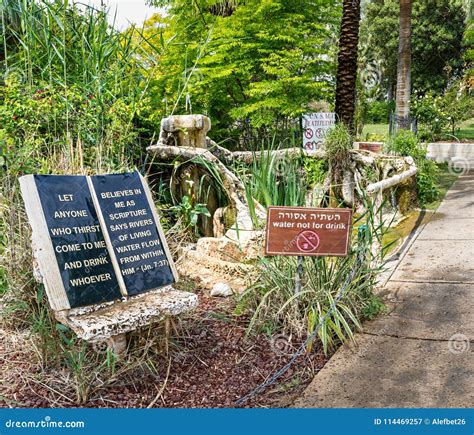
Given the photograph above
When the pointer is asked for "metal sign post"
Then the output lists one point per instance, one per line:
(299, 274)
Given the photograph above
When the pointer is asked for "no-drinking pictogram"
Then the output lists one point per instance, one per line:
(307, 241)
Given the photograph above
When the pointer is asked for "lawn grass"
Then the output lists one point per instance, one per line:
(465, 132)
(374, 129)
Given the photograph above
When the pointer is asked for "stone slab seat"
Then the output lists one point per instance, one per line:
(106, 321)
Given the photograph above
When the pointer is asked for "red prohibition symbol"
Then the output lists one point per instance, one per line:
(307, 241)
(308, 133)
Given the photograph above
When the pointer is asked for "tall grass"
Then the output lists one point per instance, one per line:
(275, 305)
(273, 180)
(71, 90)
(71, 78)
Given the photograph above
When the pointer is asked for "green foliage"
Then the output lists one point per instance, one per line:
(375, 137)
(378, 112)
(468, 42)
(457, 104)
(274, 298)
(274, 180)
(426, 182)
(438, 116)
(70, 87)
(252, 69)
(3, 249)
(315, 170)
(75, 359)
(37, 122)
(211, 180)
(375, 132)
(437, 33)
(338, 143)
(432, 119)
(190, 213)
(373, 307)
(406, 143)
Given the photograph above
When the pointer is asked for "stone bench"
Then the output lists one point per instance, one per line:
(111, 321)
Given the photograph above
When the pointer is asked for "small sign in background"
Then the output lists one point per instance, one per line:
(315, 128)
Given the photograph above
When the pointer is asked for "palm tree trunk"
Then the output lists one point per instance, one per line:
(404, 67)
(347, 64)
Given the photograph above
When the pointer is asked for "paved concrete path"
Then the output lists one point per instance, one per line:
(421, 354)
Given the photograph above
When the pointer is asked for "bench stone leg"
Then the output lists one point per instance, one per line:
(118, 344)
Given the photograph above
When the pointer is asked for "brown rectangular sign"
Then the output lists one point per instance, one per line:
(308, 231)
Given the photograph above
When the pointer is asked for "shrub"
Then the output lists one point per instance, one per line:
(316, 170)
(439, 115)
(375, 137)
(378, 112)
(274, 180)
(189, 213)
(406, 143)
(338, 144)
(432, 120)
(71, 82)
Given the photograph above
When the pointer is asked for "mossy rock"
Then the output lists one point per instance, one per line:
(229, 217)
(407, 196)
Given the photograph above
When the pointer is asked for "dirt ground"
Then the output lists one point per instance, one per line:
(210, 363)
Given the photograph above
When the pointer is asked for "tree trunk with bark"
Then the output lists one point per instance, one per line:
(347, 64)
(404, 67)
